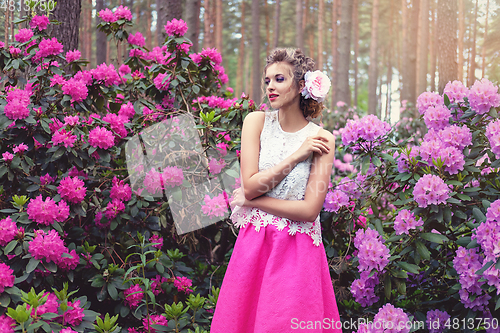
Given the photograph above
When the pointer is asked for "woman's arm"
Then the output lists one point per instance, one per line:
(255, 183)
(317, 187)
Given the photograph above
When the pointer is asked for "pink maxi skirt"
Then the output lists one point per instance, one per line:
(275, 283)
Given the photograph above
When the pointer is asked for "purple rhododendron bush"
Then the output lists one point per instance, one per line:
(414, 220)
(83, 249)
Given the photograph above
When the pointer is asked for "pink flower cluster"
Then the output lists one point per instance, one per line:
(437, 117)
(113, 208)
(363, 289)
(133, 296)
(483, 96)
(8, 230)
(176, 28)
(372, 252)
(127, 111)
(73, 55)
(50, 246)
(156, 239)
(162, 81)
(153, 320)
(406, 221)
(430, 190)
(64, 137)
(136, 39)
(456, 91)
(106, 74)
(488, 232)
(216, 206)
(24, 35)
(427, 100)
(39, 21)
(117, 124)
(72, 189)
(493, 135)
(49, 47)
(437, 319)
(7, 324)
(156, 284)
(6, 277)
(451, 136)
(368, 128)
(352, 187)
(467, 262)
(17, 104)
(215, 101)
(211, 54)
(183, 283)
(76, 89)
(120, 190)
(47, 212)
(335, 200)
(74, 315)
(120, 13)
(389, 319)
(100, 137)
(215, 166)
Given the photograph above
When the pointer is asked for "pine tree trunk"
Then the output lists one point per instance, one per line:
(193, 22)
(405, 53)
(268, 32)
(461, 36)
(256, 70)
(423, 46)
(412, 48)
(241, 53)
(277, 10)
(218, 26)
(433, 45)
(472, 69)
(161, 20)
(173, 10)
(90, 31)
(334, 51)
(149, 19)
(343, 92)
(68, 13)
(208, 41)
(355, 28)
(299, 18)
(321, 19)
(372, 69)
(447, 45)
(389, 65)
(484, 39)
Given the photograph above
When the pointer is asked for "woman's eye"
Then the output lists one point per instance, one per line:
(280, 79)
(266, 82)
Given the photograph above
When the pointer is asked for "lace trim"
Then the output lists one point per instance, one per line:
(242, 216)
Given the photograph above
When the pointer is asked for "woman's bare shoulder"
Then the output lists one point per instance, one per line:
(255, 120)
(326, 134)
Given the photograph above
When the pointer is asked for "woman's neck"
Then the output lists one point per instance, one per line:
(291, 118)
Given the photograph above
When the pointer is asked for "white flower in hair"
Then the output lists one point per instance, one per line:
(317, 85)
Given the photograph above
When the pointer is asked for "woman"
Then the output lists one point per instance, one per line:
(278, 277)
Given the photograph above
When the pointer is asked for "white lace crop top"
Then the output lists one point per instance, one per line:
(275, 146)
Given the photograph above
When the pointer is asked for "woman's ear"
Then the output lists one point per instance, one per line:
(302, 84)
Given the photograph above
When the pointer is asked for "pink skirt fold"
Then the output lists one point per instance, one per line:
(276, 282)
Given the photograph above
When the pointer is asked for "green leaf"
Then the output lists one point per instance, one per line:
(408, 267)
(232, 173)
(422, 250)
(365, 164)
(376, 161)
(463, 197)
(387, 286)
(434, 238)
(478, 215)
(460, 214)
(12, 244)
(112, 291)
(485, 267)
(446, 100)
(464, 241)
(32, 264)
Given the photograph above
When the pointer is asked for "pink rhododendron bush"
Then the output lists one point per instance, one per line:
(418, 221)
(83, 246)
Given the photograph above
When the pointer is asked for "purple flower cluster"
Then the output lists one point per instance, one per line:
(427, 100)
(493, 135)
(437, 117)
(483, 96)
(156, 284)
(335, 200)
(488, 232)
(456, 91)
(363, 289)
(352, 187)
(368, 128)
(73, 55)
(74, 315)
(467, 262)
(437, 319)
(160, 84)
(406, 221)
(215, 166)
(116, 123)
(372, 253)
(430, 190)
(389, 319)
(215, 101)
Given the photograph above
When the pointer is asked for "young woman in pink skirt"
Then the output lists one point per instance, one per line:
(278, 278)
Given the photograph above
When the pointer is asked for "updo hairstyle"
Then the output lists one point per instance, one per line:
(301, 65)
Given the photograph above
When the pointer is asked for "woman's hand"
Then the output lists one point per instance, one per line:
(313, 144)
(239, 198)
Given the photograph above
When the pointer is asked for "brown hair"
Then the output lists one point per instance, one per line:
(301, 65)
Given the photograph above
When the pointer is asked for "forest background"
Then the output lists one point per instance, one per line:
(378, 52)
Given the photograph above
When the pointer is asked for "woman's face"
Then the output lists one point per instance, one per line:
(280, 85)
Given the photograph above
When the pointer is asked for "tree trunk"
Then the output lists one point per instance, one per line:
(343, 91)
(310, 29)
(68, 13)
(412, 48)
(173, 9)
(447, 45)
(423, 46)
(472, 69)
(355, 27)
(193, 22)
(208, 41)
(405, 52)
(372, 69)
(218, 25)
(149, 36)
(433, 45)
(241, 53)
(484, 39)
(461, 36)
(90, 31)
(277, 10)
(321, 20)
(334, 51)
(390, 49)
(299, 30)
(256, 70)
(268, 32)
